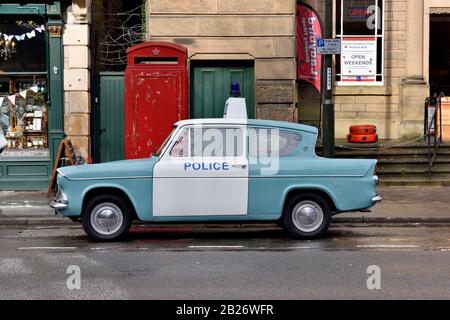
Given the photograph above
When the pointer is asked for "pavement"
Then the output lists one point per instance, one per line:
(405, 205)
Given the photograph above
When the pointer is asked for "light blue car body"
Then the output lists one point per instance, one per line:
(350, 184)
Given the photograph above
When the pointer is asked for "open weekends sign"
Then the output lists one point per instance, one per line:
(359, 59)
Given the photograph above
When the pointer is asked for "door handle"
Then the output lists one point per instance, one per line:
(240, 166)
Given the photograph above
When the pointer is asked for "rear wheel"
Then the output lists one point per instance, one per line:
(107, 218)
(307, 216)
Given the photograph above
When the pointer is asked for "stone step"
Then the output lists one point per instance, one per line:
(416, 175)
(412, 160)
(404, 164)
(404, 158)
(374, 150)
(415, 181)
(386, 145)
(412, 168)
(387, 152)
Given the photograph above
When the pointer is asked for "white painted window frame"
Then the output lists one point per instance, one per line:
(382, 36)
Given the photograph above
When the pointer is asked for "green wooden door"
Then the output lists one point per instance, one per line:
(110, 117)
(210, 87)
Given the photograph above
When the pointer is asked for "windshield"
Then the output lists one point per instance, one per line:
(163, 146)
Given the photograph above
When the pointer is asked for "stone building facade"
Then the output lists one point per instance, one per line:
(260, 31)
(265, 32)
(259, 35)
(396, 107)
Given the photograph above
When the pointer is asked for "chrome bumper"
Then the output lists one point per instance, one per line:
(61, 202)
(377, 199)
(58, 205)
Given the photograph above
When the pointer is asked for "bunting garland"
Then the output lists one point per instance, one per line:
(8, 42)
(23, 94)
(23, 36)
(12, 99)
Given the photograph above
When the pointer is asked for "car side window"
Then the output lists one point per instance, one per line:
(267, 142)
(216, 142)
(181, 146)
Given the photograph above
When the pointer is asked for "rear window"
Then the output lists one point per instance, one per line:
(265, 142)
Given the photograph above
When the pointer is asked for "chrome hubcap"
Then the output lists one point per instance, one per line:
(307, 216)
(106, 218)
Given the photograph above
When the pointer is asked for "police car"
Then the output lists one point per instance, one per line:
(220, 170)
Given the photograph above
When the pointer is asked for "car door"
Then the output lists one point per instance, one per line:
(204, 172)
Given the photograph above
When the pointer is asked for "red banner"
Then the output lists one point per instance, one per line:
(309, 63)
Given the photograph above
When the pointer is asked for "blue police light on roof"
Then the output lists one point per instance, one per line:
(235, 89)
(235, 106)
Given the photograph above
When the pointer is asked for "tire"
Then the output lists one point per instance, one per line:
(358, 138)
(297, 222)
(363, 130)
(114, 226)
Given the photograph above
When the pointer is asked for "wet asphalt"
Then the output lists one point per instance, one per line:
(212, 262)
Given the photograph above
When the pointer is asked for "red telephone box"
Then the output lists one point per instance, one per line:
(156, 95)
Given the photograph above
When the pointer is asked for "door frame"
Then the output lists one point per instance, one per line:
(198, 63)
(431, 7)
(96, 113)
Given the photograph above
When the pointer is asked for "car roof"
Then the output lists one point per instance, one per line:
(250, 122)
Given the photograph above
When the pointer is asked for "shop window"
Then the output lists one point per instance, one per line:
(22, 45)
(360, 26)
(23, 85)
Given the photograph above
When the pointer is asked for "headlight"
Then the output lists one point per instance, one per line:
(61, 197)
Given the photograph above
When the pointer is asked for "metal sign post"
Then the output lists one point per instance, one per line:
(328, 104)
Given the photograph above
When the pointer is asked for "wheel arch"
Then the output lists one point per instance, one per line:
(98, 190)
(326, 195)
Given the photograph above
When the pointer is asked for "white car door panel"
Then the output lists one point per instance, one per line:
(197, 185)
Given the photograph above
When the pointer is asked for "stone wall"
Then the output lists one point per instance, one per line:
(77, 77)
(263, 31)
(396, 108)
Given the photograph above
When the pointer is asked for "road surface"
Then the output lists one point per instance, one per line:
(198, 262)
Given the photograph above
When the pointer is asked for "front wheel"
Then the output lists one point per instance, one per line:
(307, 216)
(107, 218)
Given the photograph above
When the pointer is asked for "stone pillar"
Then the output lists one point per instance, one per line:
(414, 41)
(77, 76)
(414, 88)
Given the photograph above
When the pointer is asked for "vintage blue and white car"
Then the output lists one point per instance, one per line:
(220, 170)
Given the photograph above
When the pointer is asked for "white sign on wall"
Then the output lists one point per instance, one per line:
(359, 59)
(328, 46)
